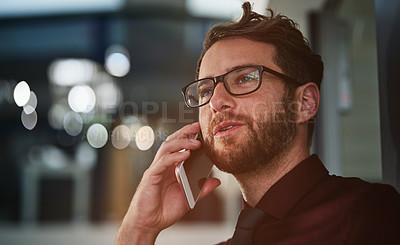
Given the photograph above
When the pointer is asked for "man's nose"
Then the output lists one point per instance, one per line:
(221, 99)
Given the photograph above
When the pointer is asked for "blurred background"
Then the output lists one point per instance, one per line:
(89, 90)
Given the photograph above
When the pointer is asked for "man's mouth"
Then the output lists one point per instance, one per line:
(226, 127)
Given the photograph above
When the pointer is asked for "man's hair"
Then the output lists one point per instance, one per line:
(292, 51)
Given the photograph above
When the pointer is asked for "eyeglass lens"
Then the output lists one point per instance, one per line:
(237, 82)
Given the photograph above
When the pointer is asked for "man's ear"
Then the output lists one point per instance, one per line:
(308, 96)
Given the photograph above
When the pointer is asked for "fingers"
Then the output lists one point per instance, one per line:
(170, 153)
(178, 145)
(185, 132)
(180, 140)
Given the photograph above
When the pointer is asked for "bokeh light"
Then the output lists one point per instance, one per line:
(56, 115)
(30, 106)
(69, 72)
(117, 61)
(108, 96)
(87, 117)
(85, 156)
(22, 93)
(134, 124)
(121, 137)
(215, 9)
(6, 91)
(81, 98)
(97, 135)
(51, 156)
(29, 120)
(73, 123)
(145, 138)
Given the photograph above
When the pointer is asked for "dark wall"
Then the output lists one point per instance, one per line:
(388, 39)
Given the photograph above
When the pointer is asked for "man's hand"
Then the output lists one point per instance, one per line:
(159, 200)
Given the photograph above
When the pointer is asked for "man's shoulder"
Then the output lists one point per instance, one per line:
(372, 210)
(377, 201)
(362, 188)
(375, 214)
(379, 197)
(355, 193)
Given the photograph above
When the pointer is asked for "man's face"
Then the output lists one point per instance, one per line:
(243, 133)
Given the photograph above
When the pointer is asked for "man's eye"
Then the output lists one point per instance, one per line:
(248, 78)
(204, 92)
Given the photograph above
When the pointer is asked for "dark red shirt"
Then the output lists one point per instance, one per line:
(309, 206)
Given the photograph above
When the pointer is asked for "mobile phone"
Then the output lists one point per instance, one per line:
(193, 173)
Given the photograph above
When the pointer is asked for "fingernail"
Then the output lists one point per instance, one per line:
(193, 141)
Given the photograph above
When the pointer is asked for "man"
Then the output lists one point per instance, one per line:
(258, 93)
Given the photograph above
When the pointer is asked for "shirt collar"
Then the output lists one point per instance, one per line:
(292, 187)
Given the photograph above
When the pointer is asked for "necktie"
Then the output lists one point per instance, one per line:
(248, 220)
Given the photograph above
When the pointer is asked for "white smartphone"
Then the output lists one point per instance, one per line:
(193, 172)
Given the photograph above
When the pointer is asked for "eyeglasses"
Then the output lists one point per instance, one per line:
(239, 81)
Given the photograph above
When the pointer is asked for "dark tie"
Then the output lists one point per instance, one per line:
(248, 220)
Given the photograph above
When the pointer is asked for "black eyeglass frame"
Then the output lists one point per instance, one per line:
(221, 78)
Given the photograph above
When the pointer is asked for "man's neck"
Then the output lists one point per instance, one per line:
(255, 184)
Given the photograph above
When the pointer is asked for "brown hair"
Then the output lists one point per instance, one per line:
(292, 51)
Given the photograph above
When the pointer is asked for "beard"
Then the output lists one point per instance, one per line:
(268, 139)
